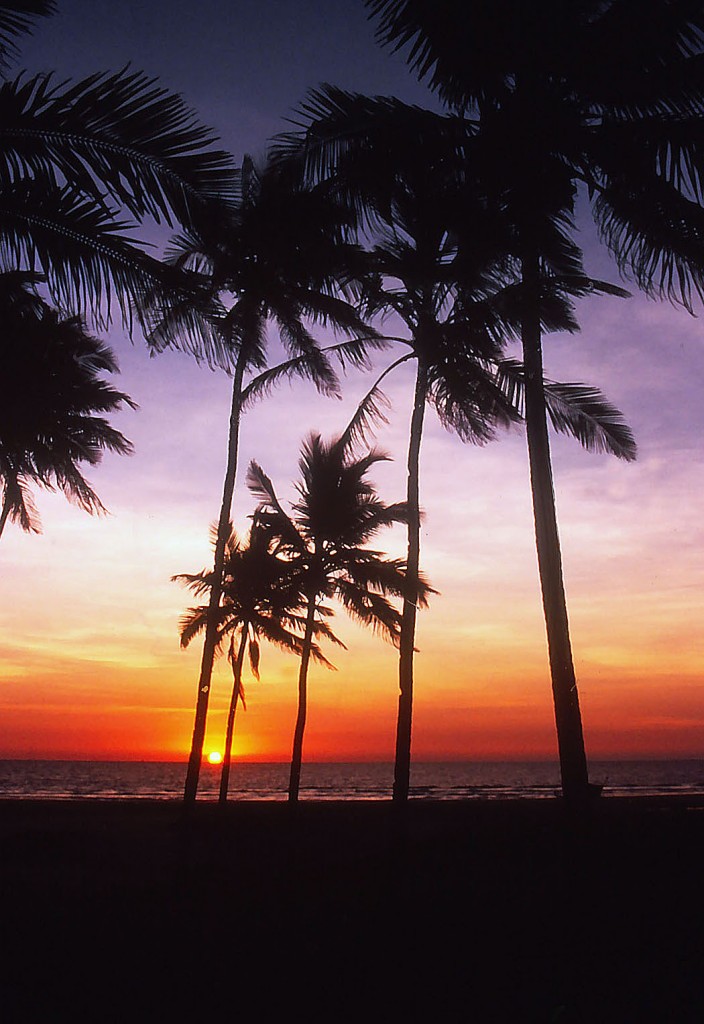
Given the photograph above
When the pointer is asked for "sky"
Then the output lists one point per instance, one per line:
(90, 661)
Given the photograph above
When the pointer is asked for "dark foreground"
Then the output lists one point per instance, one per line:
(342, 912)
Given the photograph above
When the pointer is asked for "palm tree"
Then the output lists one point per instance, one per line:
(276, 258)
(588, 96)
(83, 164)
(442, 254)
(260, 601)
(450, 337)
(54, 403)
(336, 515)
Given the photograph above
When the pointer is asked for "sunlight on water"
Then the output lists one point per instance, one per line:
(444, 781)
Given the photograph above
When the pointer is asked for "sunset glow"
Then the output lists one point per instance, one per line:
(89, 648)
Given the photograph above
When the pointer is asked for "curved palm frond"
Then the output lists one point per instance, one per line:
(656, 235)
(80, 249)
(353, 352)
(370, 411)
(17, 18)
(370, 609)
(576, 409)
(194, 621)
(585, 414)
(118, 132)
(366, 138)
(270, 512)
(17, 502)
(53, 390)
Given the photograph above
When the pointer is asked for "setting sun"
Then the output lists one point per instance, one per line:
(214, 757)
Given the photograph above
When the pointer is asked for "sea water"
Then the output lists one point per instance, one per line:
(63, 780)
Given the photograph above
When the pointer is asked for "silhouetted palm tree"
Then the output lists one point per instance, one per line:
(83, 163)
(53, 406)
(592, 96)
(442, 255)
(278, 258)
(261, 600)
(336, 515)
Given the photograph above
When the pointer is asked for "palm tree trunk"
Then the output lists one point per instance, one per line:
(568, 720)
(402, 766)
(230, 731)
(297, 753)
(211, 630)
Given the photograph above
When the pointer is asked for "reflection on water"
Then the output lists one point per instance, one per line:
(444, 781)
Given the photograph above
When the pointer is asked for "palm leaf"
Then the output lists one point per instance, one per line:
(78, 247)
(584, 413)
(370, 609)
(117, 132)
(655, 234)
(369, 413)
(195, 620)
(263, 490)
(576, 409)
(264, 383)
(188, 320)
(254, 657)
(353, 351)
(17, 17)
(53, 413)
(17, 498)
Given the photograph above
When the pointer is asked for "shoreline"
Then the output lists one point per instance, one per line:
(664, 801)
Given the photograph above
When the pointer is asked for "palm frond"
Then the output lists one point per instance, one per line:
(52, 417)
(657, 237)
(199, 582)
(17, 17)
(584, 413)
(316, 365)
(78, 246)
(369, 414)
(350, 141)
(355, 351)
(189, 320)
(263, 490)
(370, 609)
(264, 383)
(121, 133)
(18, 501)
(192, 623)
(576, 409)
(195, 620)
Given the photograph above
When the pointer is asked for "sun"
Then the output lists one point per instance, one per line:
(214, 757)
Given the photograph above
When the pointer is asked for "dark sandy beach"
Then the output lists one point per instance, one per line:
(474, 911)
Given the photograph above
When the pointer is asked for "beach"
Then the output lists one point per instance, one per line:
(486, 911)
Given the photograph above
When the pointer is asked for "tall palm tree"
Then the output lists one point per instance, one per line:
(84, 163)
(54, 403)
(442, 255)
(590, 96)
(261, 600)
(277, 258)
(335, 517)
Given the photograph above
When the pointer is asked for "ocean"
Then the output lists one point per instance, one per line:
(116, 780)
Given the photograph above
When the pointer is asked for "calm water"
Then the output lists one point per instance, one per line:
(446, 781)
